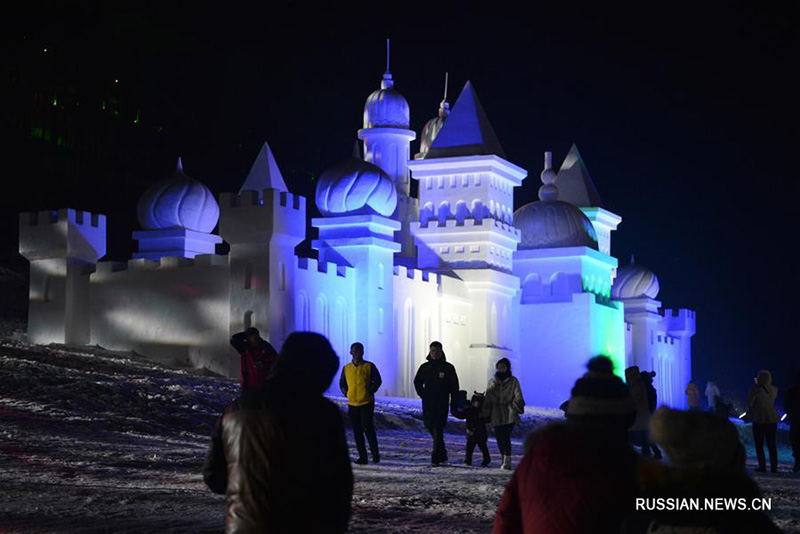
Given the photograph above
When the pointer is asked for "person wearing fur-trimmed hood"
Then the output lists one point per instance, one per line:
(503, 406)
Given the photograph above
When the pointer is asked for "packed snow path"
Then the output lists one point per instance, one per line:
(93, 441)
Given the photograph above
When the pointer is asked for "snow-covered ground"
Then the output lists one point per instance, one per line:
(95, 441)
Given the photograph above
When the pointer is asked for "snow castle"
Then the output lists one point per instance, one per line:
(458, 264)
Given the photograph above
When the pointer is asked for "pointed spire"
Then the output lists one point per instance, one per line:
(264, 174)
(548, 191)
(357, 150)
(467, 131)
(575, 185)
(633, 259)
(444, 106)
(387, 81)
(179, 166)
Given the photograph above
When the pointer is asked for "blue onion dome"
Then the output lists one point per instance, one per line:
(552, 223)
(386, 108)
(635, 281)
(355, 187)
(178, 202)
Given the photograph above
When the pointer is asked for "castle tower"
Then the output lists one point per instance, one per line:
(178, 215)
(263, 228)
(575, 186)
(681, 324)
(62, 247)
(356, 199)
(565, 313)
(465, 226)
(387, 144)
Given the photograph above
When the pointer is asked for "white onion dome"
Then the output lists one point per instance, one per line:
(552, 223)
(178, 202)
(355, 187)
(433, 127)
(635, 281)
(386, 108)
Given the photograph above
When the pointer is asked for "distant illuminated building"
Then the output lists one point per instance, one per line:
(458, 264)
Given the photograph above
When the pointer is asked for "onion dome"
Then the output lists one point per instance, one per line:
(355, 187)
(385, 107)
(178, 202)
(635, 281)
(551, 223)
(433, 126)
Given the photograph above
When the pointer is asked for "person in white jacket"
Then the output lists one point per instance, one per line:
(502, 406)
(712, 392)
(761, 411)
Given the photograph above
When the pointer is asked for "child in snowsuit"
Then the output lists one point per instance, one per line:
(476, 429)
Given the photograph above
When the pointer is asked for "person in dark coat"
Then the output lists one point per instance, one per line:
(258, 359)
(476, 429)
(707, 462)
(721, 408)
(792, 403)
(761, 411)
(652, 403)
(280, 455)
(437, 385)
(578, 476)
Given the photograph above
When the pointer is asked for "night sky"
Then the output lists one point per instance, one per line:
(687, 121)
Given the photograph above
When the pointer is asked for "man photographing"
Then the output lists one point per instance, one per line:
(258, 359)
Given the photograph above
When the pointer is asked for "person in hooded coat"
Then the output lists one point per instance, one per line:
(761, 411)
(707, 462)
(282, 453)
(503, 406)
(639, 430)
(578, 476)
(792, 403)
(436, 383)
(257, 360)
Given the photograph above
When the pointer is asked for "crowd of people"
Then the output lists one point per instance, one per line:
(280, 448)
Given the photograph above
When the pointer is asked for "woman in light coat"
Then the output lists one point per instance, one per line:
(502, 406)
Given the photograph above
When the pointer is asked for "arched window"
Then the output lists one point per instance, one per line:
(302, 318)
(47, 289)
(381, 274)
(426, 212)
(444, 212)
(408, 354)
(477, 210)
(248, 276)
(321, 322)
(461, 211)
(248, 319)
(493, 326)
(282, 267)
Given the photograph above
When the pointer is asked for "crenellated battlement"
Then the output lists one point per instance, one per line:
(76, 217)
(165, 262)
(485, 224)
(246, 217)
(418, 275)
(680, 322)
(328, 268)
(63, 233)
(268, 198)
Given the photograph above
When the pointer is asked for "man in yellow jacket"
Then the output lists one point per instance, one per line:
(359, 382)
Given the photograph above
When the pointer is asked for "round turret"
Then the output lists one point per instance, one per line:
(178, 202)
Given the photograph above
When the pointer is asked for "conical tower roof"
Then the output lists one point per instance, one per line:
(467, 131)
(264, 174)
(574, 183)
